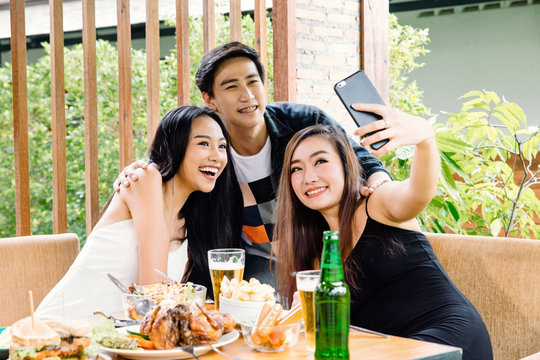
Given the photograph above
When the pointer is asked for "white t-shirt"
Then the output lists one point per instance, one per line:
(253, 167)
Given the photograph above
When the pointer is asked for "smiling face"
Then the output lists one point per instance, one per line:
(317, 175)
(239, 94)
(206, 155)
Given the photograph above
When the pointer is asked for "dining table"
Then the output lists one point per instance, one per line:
(361, 346)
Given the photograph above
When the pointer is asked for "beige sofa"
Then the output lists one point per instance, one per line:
(34, 263)
(501, 277)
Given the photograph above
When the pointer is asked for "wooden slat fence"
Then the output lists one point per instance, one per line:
(125, 116)
(90, 113)
(58, 117)
(284, 87)
(20, 117)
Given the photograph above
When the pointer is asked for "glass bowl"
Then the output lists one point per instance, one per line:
(144, 298)
(275, 339)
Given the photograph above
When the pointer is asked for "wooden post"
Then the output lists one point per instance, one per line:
(125, 117)
(20, 117)
(235, 19)
(182, 51)
(374, 47)
(90, 115)
(284, 25)
(209, 25)
(260, 35)
(58, 118)
(152, 65)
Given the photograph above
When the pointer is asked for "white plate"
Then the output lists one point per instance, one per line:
(176, 353)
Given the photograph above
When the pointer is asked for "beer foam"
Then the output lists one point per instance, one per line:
(216, 265)
(307, 284)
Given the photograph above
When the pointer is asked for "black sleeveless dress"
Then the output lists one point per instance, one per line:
(404, 291)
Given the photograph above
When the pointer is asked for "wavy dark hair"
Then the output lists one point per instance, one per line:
(298, 230)
(213, 220)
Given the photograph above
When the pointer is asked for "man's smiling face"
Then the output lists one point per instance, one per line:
(239, 94)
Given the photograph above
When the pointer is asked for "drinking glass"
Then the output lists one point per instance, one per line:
(225, 262)
(306, 282)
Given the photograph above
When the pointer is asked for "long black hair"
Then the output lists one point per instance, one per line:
(213, 220)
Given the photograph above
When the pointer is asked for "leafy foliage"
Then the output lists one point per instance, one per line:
(491, 148)
(482, 148)
(39, 124)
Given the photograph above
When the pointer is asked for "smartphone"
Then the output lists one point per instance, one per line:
(357, 88)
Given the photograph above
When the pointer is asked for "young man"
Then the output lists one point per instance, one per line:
(231, 80)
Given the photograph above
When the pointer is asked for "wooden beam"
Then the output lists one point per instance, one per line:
(152, 64)
(90, 114)
(284, 25)
(125, 117)
(374, 47)
(235, 19)
(260, 35)
(58, 117)
(20, 117)
(209, 25)
(182, 52)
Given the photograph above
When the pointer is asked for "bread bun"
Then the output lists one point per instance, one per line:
(66, 328)
(37, 336)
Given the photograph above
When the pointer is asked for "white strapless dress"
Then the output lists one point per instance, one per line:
(86, 288)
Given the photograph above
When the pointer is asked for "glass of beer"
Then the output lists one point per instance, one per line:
(306, 282)
(225, 262)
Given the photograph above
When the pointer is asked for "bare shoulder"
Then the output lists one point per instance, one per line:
(116, 211)
(379, 203)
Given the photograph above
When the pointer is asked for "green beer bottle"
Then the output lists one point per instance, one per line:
(332, 304)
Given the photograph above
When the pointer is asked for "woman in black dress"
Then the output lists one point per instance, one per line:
(398, 286)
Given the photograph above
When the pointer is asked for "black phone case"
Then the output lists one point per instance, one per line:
(357, 88)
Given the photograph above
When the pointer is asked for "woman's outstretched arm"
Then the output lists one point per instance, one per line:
(404, 200)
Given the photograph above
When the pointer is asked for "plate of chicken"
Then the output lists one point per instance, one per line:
(172, 329)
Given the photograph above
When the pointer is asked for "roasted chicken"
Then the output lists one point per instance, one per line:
(185, 325)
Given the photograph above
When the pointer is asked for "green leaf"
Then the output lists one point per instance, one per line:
(437, 202)
(405, 152)
(453, 210)
(448, 174)
(455, 167)
(493, 96)
(495, 227)
(471, 93)
(504, 113)
(517, 112)
(474, 104)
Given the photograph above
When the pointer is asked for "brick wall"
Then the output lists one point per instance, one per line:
(328, 50)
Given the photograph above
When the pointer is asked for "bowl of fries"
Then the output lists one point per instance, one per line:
(144, 297)
(273, 330)
(244, 299)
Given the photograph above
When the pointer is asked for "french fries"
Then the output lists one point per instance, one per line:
(268, 330)
(294, 315)
(246, 291)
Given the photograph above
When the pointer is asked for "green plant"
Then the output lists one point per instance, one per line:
(491, 148)
(477, 193)
(406, 45)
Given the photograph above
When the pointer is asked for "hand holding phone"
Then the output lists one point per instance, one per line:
(357, 88)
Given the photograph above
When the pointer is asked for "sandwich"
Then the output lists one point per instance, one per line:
(54, 339)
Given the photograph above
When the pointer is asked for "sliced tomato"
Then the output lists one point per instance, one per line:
(276, 337)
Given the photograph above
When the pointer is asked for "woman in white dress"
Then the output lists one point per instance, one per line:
(188, 177)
